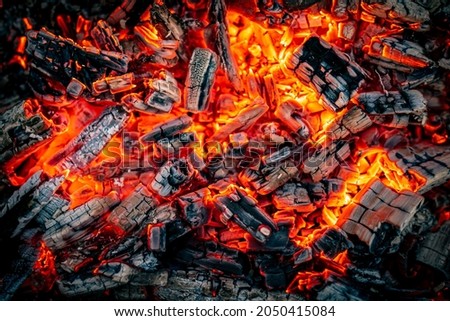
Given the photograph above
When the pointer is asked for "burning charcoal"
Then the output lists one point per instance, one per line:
(342, 8)
(54, 207)
(176, 229)
(246, 118)
(83, 284)
(75, 224)
(428, 165)
(20, 131)
(277, 157)
(273, 273)
(331, 243)
(20, 269)
(75, 88)
(278, 241)
(212, 256)
(122, 249)
(434, 250)
(135, 101)
(201, 285)
(163, 214)
(145, 260)
(395, 109)
(133, 210)
(347, 30)
(167, 129)
(193, 208)
(39, 199)
(200, 79)
(19, 194)
(335, 189)
(156, 237)
(242, 209)
(378, 214)
(172, 176)
(303, 255)
(163, 52)
(163, 92)
(338, 290)
(221, 42)
(333, 75)
(320, 164)
(84, 148)
(398, 54)
(422, 222)
(293, 196)
(114, 84)
(166, 23)
(104, 37)
(269, 178)
(289, 112)
(352, 122)
(397, 10)
(54, 55)
(172, 146)
(126, 274)
(318, 193)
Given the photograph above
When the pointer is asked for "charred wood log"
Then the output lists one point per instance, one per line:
(55, 56)
(39, 199)
(114, 84)
(133, 210)
(377, 215)
(434, 250)
(84, 148)
(125, 274)
(395, 109)
(193, 208)
(18, 195)
(427, 165)
(172, 176)
(104, 37)
(289, 113)
(77, 223)
(199, 285)
(293, 196)
(398, 54)
(163, 92)
(55, 207)
(322, 162)
(20, 131)
(200, 79)
(167, 129)
(212, 256)
(239, 207)
(397, 10)
(173, 145)
(331, 74)
(220, 40)
(246, 118)
(85, 284)
(269, 178)
(352, 122)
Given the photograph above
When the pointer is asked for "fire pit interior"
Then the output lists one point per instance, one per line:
(225, 150)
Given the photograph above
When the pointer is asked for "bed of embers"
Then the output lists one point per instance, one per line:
(225, 150)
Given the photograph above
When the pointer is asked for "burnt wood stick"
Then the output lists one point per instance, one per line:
(200, 79)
